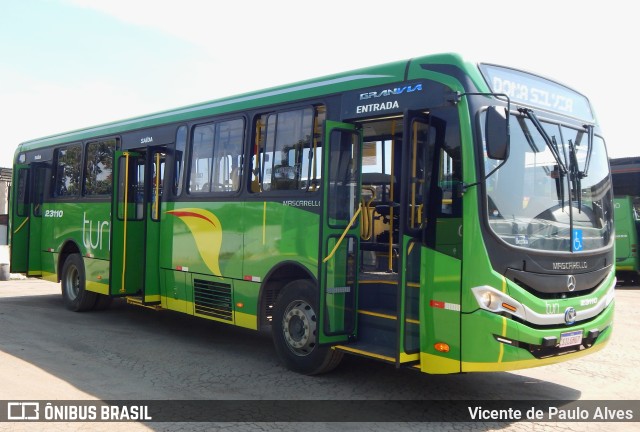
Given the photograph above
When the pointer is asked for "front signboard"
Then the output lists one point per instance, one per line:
(537, 92)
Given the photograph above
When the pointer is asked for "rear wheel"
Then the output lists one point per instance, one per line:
(295, 331)
(73, 281)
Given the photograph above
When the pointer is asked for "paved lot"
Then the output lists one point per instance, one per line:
(131, 353)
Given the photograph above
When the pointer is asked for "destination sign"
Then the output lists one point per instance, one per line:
(383, 100)
(537, 92)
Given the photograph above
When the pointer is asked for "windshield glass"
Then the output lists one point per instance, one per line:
(536, 201)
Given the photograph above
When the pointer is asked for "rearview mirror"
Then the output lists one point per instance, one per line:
(496, 133)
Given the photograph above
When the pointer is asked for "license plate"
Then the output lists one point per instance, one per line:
(570, 338)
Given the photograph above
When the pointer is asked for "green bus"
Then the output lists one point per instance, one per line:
(626, 223)
(433, 213)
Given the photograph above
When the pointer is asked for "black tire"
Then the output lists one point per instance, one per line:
(295, 331)
(73, 282)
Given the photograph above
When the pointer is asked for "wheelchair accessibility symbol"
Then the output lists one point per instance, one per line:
(577, 240)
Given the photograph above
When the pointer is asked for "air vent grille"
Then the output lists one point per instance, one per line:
(213, 299)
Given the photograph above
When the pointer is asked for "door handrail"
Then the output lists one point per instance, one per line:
(126, 205)
(344, 234)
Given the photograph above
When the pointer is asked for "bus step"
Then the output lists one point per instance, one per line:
(363, 349)
(378, 294)
(137, 301)
(377, 328)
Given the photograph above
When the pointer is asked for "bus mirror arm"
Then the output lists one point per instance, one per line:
(496, 127)
(463, 187)
(496, 130)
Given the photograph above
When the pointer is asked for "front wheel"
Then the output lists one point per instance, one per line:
(295, 331)
(73, 281)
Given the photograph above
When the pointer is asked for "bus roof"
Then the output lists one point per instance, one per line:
(365, 77)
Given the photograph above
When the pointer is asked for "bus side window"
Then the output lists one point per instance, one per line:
(22, 197)
(216, 156)
(68, 164)
(287, 151)
(40, 173)
(98, 171)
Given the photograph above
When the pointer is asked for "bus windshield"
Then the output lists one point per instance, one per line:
(553, 192)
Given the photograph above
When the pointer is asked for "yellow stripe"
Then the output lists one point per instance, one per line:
(404, 357)
(97, 287)
(157, 188)
(246, 320)
(264, 224)
(504, 322)
(376, 314)
(386, 316)
(435, 364)
(126, 205)
(504, 334)
(387, 282)
(136, 301)
(522, 364)
(391, 197)
(21, 225)
(365, 353)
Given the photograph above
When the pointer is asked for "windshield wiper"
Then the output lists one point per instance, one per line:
(587, 161)
(575, 175)
(552, 144)
(553, 147)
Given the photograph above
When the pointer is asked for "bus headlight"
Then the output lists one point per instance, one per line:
(495, 301)
(487, 299)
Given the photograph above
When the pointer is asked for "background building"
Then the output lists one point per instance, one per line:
(5, 187)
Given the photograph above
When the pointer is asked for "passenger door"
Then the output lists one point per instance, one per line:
(136, 217)
(26, 215)
(155, 182)
(339, 240)
(128, 224)
(441, 264)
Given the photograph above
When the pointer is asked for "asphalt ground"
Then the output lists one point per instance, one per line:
(136, 354)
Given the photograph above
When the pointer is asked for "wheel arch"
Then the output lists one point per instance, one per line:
(276, 279)
(69, 247)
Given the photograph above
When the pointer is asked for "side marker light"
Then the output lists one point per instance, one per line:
(441, 347)
(507, 306)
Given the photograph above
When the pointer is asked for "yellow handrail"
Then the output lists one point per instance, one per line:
(21, 225)
(391, 194)
(124, 225)
(414, 171)
(156, 204)
(344, 233)
(366, 227)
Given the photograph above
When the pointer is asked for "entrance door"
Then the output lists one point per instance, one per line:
(439, 221)
(416, 173)
(26, 215)
(155, 181)
(136, 215)
(339, 240)
(128, 224)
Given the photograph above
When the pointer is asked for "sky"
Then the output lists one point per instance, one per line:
(68, 64)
